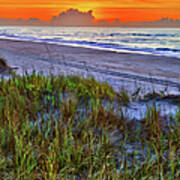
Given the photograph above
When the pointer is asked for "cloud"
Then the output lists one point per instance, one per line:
(74, 17)
(21, 22)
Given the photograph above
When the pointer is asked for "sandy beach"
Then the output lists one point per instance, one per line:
(121, 70)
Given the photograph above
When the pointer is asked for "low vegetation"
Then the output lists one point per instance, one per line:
(70, 127)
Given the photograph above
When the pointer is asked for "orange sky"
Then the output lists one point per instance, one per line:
(124, 10)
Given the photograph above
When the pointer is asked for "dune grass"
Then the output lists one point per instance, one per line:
(71, 127)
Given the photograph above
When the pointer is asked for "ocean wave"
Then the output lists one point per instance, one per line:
(143, 34)
(13, 36)
(168, 49)
(137, 40)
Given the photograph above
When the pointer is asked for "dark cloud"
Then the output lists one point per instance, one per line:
(21, 22)
(165, 22)
(74, 17)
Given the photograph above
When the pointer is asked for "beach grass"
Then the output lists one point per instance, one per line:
(70, 127)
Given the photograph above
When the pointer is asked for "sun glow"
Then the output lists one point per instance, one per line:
(124, 10)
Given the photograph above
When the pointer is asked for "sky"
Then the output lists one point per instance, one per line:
(124, 10)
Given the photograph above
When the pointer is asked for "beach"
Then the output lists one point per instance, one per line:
(121, 70)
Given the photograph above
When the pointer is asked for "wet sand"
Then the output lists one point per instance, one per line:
(121, 70)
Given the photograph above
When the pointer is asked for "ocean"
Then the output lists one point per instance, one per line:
(157, 41)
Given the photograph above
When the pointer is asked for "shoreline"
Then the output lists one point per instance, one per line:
(129, 68)
(121, 51)
(105, 50)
